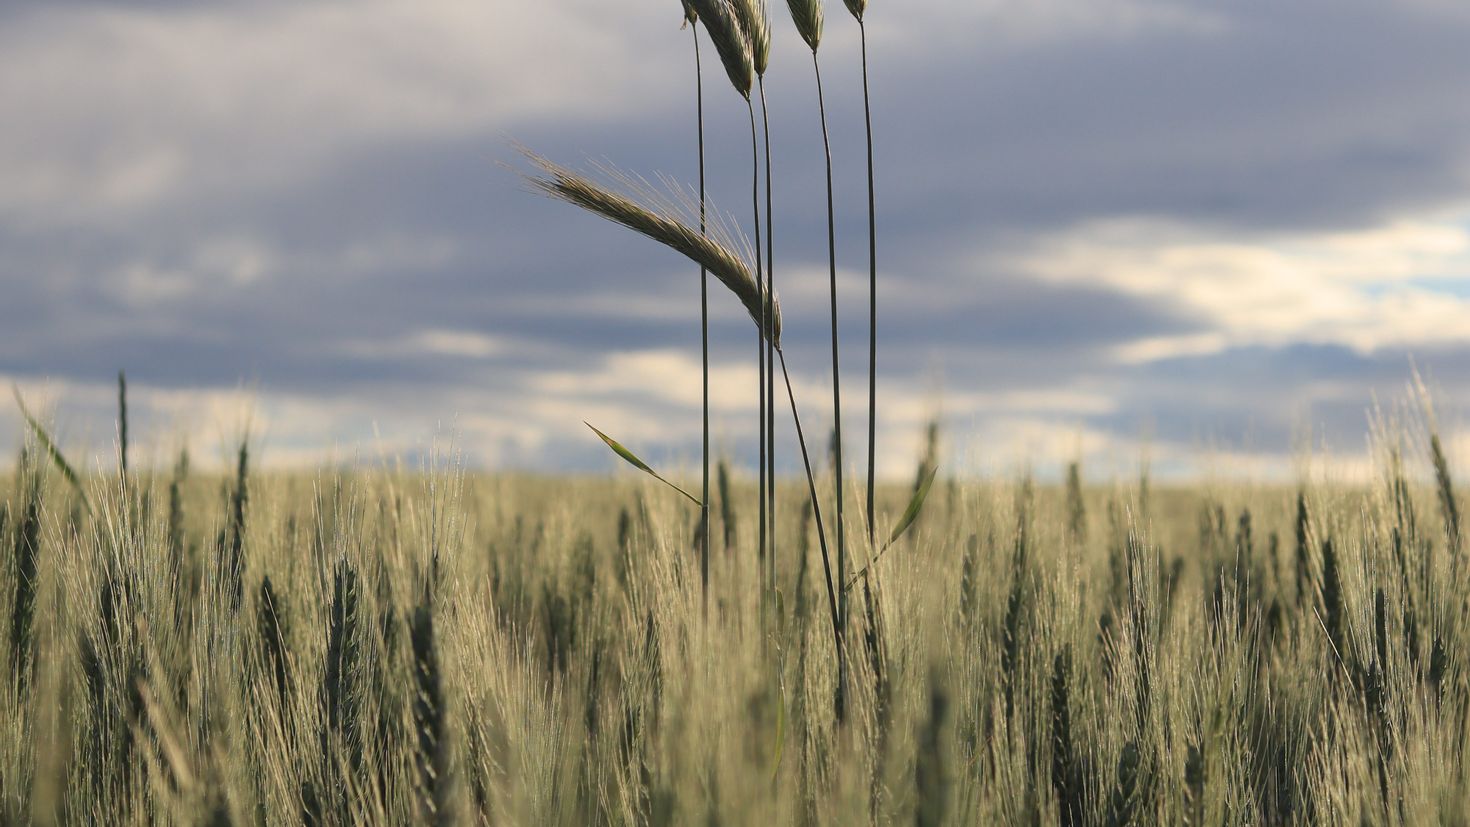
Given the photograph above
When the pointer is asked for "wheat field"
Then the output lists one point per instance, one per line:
(380, 645)
(433, 646)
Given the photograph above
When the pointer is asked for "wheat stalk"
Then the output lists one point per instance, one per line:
(691, 16)
(743, 40)
(122, 425)
(808, 17)
(755, 23)
(755, 19)
(857, 7)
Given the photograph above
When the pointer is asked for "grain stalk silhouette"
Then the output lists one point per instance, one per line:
(691, 21)
(741, 37)
(859, 8)
(807, 14)
(770, 349)
(122, 426)
(666, 222)
(755, 22)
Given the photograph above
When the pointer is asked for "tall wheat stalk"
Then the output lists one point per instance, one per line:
(807, 15)
(691, 20)
(770, 349)
(756, 24)
(122, 425)
(858, 8)
(742, 37)
(714, 250)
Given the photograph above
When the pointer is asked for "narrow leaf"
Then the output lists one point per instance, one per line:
(910, 514)
(633, 460)
(51, 450)
(916, 505)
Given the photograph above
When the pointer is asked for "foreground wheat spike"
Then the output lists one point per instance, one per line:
(723, 24)
(565, 185)
(807, 14)
(664, 220)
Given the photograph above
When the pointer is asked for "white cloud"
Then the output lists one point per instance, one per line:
(462, 344)
(1363, 289)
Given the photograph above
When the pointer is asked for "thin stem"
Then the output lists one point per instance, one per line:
(872, 295)
(811, 482)
(836, 392)
(760, 351)
(122, 425)
(873, 635)
(770, 347)
(704, 339)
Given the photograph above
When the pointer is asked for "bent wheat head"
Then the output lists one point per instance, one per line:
(664, 221)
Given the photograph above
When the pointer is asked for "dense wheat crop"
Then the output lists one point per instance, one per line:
(390, 647)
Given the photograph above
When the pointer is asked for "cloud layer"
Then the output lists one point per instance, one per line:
(1199, 229)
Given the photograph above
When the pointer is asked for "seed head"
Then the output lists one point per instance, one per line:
(857, 7)
(808, 17)
(756, 22)
(723, 24)
(669, 219)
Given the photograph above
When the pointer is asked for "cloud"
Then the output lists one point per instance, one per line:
(144, 105)
(1219, 223)
(1383, 286)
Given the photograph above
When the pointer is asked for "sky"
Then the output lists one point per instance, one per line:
(1212, 235)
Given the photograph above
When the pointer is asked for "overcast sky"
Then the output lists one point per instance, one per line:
(1216, 228)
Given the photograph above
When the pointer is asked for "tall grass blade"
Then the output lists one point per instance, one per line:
(52, 451)
(633, 460)
(910, 516)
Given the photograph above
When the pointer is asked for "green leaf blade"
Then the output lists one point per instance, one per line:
(915, 507)
(633, 460)
(52, 450)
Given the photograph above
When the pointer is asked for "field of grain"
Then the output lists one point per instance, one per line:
(793, 643)
(430, 646)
